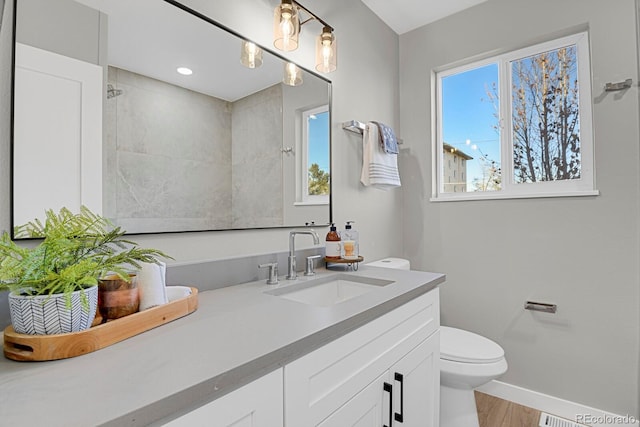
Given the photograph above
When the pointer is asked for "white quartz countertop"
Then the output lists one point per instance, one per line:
(238, 334)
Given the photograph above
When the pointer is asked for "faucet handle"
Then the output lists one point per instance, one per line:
(273, 272)
(309, 268)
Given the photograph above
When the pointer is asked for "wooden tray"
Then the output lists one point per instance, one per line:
(25, 347)
(344, 261)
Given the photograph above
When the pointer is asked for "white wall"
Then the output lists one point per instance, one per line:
(581, 253)
(365, 84)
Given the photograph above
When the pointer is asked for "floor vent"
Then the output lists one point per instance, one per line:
(547, 420)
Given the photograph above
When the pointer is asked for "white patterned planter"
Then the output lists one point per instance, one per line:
(48, 314)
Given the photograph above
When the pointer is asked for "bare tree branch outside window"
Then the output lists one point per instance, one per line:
(546, 125)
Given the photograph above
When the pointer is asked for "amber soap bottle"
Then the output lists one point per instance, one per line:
(332, 245)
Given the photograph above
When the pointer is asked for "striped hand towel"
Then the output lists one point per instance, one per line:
(379, 169)
(388, 139)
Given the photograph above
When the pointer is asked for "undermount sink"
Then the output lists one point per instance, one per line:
(330, 290)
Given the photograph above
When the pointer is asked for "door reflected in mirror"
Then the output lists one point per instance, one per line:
(102, 117)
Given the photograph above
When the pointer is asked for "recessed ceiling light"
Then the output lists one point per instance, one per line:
(184, 71)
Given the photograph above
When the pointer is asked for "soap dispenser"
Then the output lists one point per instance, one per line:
(332, 245)
(350, 244)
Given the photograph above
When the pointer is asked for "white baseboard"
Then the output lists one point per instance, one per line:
(560, 407)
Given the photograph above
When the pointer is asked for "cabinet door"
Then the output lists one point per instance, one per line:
(416, 385)
(258, 404)
(365, 409)
(321, 382)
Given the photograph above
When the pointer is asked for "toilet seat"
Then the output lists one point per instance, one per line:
(457, 345)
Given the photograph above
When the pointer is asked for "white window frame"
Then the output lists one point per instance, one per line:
(304, 198)
(584, 186)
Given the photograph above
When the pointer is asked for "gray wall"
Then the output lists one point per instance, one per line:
(581, 253)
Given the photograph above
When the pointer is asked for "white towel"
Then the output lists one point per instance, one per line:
(379, 169)
(151, 285)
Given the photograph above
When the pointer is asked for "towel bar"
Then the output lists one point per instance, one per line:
(358, 127)
(353, 126)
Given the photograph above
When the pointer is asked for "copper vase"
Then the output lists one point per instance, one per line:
(117, 297)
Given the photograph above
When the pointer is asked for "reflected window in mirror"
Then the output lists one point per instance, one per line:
(315, 179)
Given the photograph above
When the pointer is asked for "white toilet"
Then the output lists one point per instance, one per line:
(467, 361)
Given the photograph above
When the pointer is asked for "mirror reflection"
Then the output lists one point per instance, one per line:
(162, 121)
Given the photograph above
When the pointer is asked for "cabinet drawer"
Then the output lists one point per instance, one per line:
(322, 381)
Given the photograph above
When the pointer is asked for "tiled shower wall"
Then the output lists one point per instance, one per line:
(257, 160)
(170, 163)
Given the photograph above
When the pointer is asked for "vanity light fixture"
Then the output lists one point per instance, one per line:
(286, 26)
(326, 51)
(286, 29)
(250, 54)
(184, 71)
(292, 74)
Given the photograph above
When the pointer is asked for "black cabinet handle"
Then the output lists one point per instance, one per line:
(389, 388)
(399, 417)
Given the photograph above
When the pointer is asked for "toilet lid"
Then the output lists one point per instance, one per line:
(458, 345)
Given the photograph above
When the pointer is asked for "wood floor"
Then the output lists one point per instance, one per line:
(495, 412)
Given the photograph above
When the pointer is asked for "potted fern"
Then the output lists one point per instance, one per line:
(53, 287)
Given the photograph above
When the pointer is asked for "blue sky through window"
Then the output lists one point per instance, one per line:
(468, 118)
(319, 140)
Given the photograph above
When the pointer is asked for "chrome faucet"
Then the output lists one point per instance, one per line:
(291, 270)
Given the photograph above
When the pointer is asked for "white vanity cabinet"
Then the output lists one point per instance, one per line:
(384, 372)
(257, 404)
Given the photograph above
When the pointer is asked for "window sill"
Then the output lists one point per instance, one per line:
(311, 203)
(499, 196)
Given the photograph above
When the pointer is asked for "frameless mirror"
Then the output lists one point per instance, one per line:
(104, 117)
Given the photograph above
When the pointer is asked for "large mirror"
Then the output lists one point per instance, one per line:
(103, 118)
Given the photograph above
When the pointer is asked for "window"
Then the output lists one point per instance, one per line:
(517, 124)
(315, 156)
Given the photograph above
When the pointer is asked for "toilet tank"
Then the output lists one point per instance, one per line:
(397, 263)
